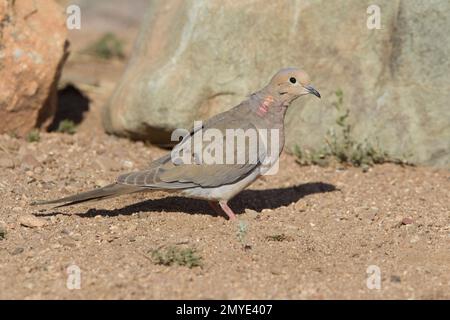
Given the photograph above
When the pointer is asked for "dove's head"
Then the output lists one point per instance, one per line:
(291, 83)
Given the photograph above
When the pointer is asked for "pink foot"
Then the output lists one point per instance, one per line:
(227, 210)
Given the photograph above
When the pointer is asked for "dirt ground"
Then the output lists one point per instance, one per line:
(311, 232)
(305, 233)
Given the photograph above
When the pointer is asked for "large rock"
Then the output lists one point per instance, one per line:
(196, 58)
(32, 51)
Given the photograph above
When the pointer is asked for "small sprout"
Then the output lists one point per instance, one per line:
(66, 126)
(3, 232)
(33, 136)
(342, 148)
(242, 233)
(13, 134)
(107, 47)
(176, 256)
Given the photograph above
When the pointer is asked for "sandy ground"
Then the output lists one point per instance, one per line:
(305, 233)
(310, 232)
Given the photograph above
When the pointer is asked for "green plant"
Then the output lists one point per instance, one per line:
(107, 47)
(13, 134)
(178, 256)
(67, 126)
(341, 147)
(33, 136)
(242, 232)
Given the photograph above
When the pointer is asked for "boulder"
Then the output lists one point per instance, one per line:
(33, 49)
(194, 59)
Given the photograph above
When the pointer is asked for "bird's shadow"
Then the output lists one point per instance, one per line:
(248, 199)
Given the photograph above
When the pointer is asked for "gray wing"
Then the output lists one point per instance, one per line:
(165, 174)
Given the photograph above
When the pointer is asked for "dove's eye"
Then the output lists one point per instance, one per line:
(293, 80)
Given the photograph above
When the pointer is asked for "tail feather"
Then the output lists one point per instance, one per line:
(105, 192)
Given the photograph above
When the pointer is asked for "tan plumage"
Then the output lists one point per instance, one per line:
(264, 109)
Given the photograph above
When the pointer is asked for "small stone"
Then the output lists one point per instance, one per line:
(76, 236)
(6, 163)
(276, 272)
(371, 213)
(38, 170)
(252, 213)
(17, 209)
(182, 241)
(107, 164)
(29, 162)
(3, 231)
(67, 242)
(31, 221)
(300, 206)
(17, 251)
(142, 215)
(127, 164)
(101, 183)
(407, 221)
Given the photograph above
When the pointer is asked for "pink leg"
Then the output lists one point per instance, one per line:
(227, 210)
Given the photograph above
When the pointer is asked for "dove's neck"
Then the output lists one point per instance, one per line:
(269, 104)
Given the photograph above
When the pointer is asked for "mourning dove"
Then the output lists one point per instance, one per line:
(218, 181)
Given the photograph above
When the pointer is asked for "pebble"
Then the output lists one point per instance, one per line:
(276, 272)
(107, 164)
(67, 242)
(17, 251)
(407, 221)
(31, 221)
(142, 215)
(371, 213)
(127, 164)
(38, 170)
(252, 213)
(6, 163)
(29, 162)
(3, 231)
(300, 206)
(101, 183)
(182, 241)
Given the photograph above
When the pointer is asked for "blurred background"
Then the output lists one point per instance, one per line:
(382, 69)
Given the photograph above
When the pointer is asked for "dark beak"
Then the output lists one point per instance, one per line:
(313, 91)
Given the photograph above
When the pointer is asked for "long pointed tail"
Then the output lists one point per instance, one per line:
(109, 191)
